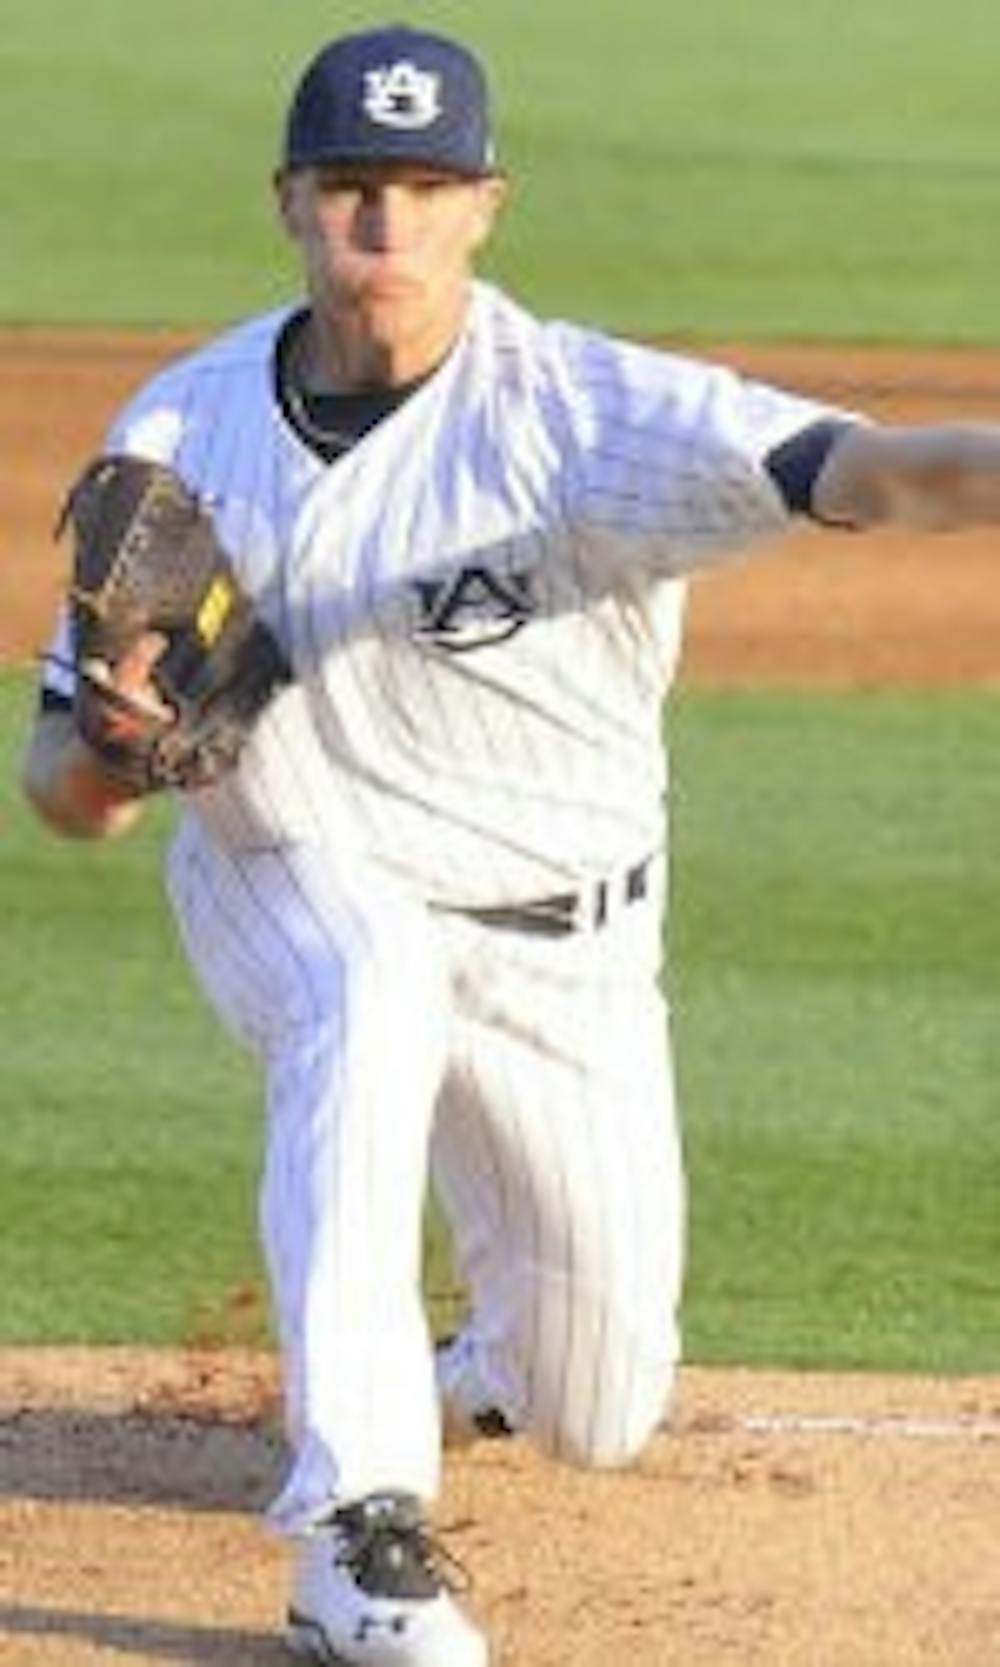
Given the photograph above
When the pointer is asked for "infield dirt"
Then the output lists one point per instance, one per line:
(782, 1521)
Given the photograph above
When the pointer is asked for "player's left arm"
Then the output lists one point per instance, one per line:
(940, 477)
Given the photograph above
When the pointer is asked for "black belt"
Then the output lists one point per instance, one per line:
(565, 911)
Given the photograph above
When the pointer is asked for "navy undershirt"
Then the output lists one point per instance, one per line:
(331, 423)
(794, 466)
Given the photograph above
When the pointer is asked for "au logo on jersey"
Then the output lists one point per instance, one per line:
(401, 95)
(476, 608)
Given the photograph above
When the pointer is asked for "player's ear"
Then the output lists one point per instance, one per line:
(285, 195)
(491, 196)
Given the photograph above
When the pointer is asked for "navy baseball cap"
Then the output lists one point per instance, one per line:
(392, 95)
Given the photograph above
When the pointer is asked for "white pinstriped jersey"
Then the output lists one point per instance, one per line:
(482, 599)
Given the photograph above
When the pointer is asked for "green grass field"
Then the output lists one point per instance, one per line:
(835, 959)
(129, 1122)
(719, 170)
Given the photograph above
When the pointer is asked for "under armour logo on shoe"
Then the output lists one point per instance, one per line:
(401, 95)
(371, 1623)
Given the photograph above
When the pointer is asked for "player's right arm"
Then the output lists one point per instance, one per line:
(66, 784)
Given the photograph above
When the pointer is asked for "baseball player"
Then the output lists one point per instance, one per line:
(430, 894)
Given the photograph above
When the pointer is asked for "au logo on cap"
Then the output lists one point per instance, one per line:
(401, 95)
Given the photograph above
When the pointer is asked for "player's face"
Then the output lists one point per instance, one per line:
(387, 253)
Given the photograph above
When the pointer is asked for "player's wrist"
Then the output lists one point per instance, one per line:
(76, 795)
(97, 784)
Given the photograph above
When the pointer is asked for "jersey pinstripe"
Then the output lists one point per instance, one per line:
(482, 600)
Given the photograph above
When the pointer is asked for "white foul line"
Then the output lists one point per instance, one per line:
(959, 1428)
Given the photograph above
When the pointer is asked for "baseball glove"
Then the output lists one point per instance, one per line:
(172, 666)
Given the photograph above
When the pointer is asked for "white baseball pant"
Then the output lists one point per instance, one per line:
(535, 1074)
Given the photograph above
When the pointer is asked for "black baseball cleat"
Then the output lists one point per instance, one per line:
(370, 1591)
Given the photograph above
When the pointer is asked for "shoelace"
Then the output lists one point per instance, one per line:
(369, 1540)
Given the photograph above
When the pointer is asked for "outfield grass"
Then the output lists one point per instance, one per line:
(129, 1122)
(835, 958)
(784, 169)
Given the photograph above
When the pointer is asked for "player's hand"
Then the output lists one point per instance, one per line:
(132, 678)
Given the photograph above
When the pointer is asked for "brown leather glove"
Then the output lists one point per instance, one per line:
(172, 666)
